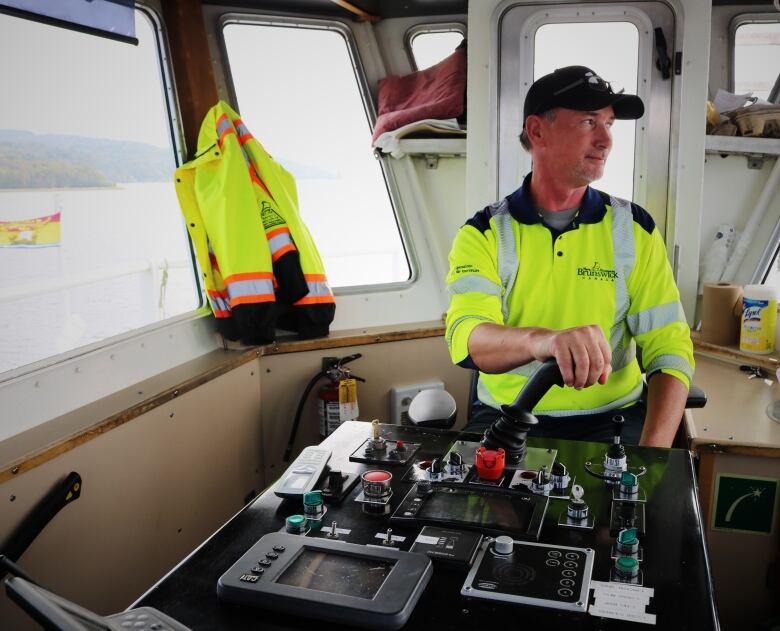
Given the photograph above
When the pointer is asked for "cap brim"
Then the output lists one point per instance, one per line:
(625, 106)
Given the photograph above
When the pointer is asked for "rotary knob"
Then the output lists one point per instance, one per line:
(560, 476)
(627, 542)
(629, 486)
(503, 545)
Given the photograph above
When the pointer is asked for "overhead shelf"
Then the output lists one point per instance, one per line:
(742, 146)
(433, 146)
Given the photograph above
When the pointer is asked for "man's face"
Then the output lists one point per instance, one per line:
(575, 144)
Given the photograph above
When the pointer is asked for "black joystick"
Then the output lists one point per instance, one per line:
(509, 431)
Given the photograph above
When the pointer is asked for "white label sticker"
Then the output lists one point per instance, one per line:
(383, 535)
(427, 539)
(621, 601)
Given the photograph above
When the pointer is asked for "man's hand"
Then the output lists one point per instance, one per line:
(583, 354)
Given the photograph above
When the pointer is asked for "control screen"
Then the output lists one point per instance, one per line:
(337, 573)
(496, 510)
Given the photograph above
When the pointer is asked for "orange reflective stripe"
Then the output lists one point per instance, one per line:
(270, 234)
(275, 256)
(312, 300)
(248, 276)
(243, 300)
(315, 278)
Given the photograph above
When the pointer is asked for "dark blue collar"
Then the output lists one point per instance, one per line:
(522, 208)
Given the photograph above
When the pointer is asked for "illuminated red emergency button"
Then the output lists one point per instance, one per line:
(377, 476)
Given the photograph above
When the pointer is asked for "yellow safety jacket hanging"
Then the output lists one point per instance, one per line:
(258, 260)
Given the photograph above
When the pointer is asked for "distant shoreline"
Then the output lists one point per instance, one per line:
(117, 185)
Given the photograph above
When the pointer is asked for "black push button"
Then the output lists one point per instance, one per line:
(279, 548)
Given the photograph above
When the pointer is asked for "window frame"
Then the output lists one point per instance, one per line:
(653, 183)
(742, 19)
(43, 390)
(396, 200)
(771, 252)
(430, 27)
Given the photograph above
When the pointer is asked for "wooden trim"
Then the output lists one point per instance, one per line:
(735, 450)
(196, 87)
(356, 11)
(35, 459)
(225, 362)
(733, 355)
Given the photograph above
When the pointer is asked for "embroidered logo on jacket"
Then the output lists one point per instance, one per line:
(597, 272)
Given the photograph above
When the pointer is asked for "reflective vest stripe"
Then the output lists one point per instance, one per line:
(243, 131)
(655, 317)
(623, 347)
(219, 303)
(458, 322)
(623, 352)
(319, 290)
(249, 276)
(507, 258)
(223, 129)
(280, 242)
(472, 282)
(484, 395)
(675, 362)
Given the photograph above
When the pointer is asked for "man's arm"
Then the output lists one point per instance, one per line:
(665, 406)
(583, 353)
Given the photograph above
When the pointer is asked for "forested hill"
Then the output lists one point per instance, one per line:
(30, 160)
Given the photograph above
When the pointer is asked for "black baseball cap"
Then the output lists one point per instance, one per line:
(579, 88)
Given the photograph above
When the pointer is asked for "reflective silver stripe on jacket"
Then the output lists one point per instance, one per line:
(485, 397)
(473, 282)
(655, 317)
(674, 362)
(507, 259)
(458, 322)
(623, 246)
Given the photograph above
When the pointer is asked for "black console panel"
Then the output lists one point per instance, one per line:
(508, 575)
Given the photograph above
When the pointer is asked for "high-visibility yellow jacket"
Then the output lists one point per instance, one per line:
(609, 268)
(258, 261)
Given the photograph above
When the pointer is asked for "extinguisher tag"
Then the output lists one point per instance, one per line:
(348, 405)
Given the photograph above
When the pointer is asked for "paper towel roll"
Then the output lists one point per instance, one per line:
(721, 313)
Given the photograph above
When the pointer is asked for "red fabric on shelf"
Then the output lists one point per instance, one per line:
(436, 92)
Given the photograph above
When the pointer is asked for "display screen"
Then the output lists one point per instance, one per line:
(498, 511)
(337, 573)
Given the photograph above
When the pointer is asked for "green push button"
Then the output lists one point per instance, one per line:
(295, 524)
(628, 479)
(626, 564)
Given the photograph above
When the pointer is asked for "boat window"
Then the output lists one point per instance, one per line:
(617, 42)
(616, 63)
(428, 46)
(318, 128)
(757, 59)
(92, 242)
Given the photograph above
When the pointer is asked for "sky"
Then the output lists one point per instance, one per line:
(64, 82)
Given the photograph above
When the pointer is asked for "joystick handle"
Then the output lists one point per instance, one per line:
(544, 378)
(617, 426)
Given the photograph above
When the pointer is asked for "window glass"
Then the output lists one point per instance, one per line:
(430, 48)
(92, 243)
(617, 63)
(298, 94)
(756, 58)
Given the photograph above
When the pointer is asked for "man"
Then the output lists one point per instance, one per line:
(560, 270)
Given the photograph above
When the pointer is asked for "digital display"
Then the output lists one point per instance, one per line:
(337, 573)
(498, 511)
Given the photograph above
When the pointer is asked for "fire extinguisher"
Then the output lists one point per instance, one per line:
(337, 400)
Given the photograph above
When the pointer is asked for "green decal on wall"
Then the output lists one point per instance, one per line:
(744, 503)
